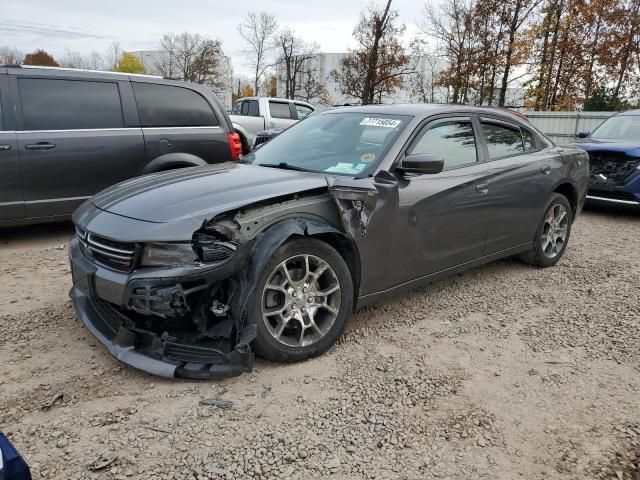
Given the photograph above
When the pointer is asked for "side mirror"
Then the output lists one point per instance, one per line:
(583, 134)
(422, 163)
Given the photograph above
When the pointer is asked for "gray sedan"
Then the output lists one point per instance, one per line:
(188, 273)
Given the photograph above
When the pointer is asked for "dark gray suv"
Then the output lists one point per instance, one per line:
(67, 134)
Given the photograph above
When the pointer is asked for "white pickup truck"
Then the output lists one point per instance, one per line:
(251, 115)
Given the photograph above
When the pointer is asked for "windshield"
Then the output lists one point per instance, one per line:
(338, 143)
(622, 127)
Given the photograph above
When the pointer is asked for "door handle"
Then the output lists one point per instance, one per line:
(40, 146)
(546, 169)
(482, 188)
(5, 147)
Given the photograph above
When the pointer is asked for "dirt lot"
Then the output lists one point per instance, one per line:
(503, 372)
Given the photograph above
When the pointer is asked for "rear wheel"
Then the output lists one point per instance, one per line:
(552, 235)
(303, 300)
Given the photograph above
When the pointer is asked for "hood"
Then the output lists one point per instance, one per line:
(631, 149)
(194, 193)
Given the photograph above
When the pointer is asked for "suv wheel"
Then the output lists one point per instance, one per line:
(303, 300)
(552, 234)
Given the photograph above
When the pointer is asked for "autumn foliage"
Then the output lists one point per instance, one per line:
(40, 58)
(567, 53)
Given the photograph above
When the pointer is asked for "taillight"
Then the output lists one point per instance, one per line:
(235, 145)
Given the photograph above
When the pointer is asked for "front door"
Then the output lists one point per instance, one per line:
(72, 142)
(444, 214)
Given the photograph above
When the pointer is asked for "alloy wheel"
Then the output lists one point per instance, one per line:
(301, 300)
(554, 231)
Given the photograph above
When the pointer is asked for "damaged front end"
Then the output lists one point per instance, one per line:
(184, 309)
(172, 321)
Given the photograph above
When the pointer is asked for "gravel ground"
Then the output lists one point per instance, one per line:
(503, 372)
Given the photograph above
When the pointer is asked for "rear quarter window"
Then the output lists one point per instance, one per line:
(171, 106)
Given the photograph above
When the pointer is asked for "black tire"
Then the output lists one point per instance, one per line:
(265, 344)
(537, 255)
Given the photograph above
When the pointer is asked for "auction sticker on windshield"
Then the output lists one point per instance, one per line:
(380, 122)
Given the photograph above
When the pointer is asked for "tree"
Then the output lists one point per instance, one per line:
(258, 30)
(310, 87)
(518, 13)
(129, 63)
(603, 100)
(96, 62)
(293, 56)
(75, 60)
(377, 67)
(194, 58)
(425, 77)
(451, 24)
(113, 54)
(248, 91)
(40, 58)
(10, 56)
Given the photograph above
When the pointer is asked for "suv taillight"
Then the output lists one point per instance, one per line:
(235, 145)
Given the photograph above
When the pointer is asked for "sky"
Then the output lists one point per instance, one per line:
(86, 26)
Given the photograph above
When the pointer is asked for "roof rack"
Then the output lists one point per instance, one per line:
(81, 70)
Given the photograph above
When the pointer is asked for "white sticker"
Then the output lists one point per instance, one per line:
(342, 168)
(380, 122)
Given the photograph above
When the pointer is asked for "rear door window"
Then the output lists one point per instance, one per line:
(254, 109)
(280, 110)
(502, 140)
(51, 104)
(170, 106)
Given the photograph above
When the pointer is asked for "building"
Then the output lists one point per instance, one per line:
(153, 59)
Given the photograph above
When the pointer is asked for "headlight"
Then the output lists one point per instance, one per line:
(161, 254)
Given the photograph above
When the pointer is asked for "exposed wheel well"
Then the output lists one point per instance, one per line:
(349, 253)
(571, 194)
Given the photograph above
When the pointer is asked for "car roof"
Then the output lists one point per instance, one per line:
(426, 109)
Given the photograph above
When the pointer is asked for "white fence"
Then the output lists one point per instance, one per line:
(562, 127)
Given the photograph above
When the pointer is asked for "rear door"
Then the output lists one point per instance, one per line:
(283, 114)
(176, 119)
(73, 141)
(11, 201)
(443, 215)
(520, 184)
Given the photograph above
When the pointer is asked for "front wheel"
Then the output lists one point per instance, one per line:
(303, 300)
(552, 235)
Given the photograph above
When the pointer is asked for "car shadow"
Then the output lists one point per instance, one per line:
(34, 235)
(617, 210)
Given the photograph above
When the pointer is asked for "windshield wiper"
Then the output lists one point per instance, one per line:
(285, 166)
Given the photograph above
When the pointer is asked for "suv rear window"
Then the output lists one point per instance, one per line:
(50, 104)
(280, 110)
(169, 106)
